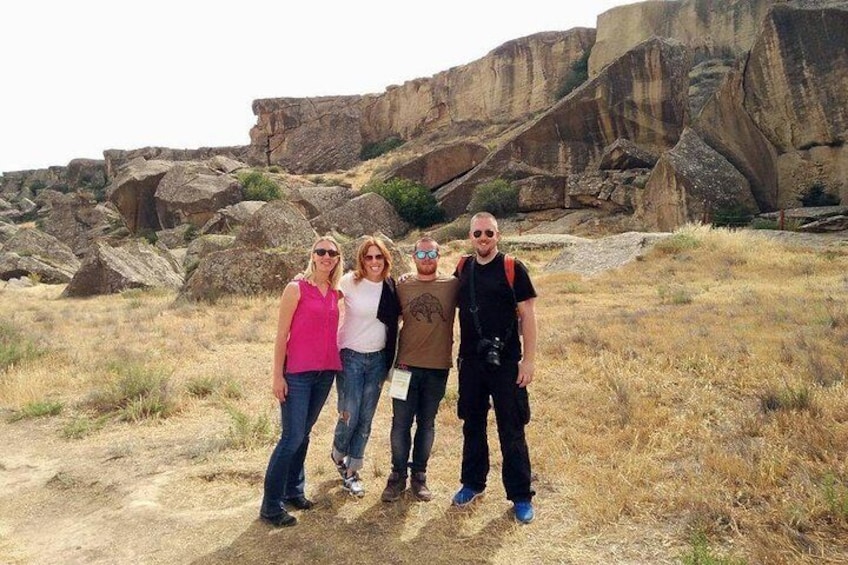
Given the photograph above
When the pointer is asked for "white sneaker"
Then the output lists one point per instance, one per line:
(354, 485)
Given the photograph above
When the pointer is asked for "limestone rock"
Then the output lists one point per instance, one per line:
(624, 154)
(137, 264)
(77, 220)
(204, 245)
(327, 133)
(230, 218)
(277, 224)
(132, 193)
(243, 271)
(191, 193)
(32, 252)
(690, 183)
(365, 214)
(642, 96)
(315, 200)
(437, 167)
(116, 159)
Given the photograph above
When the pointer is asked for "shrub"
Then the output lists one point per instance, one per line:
(498, 197)
(578, 74)
(413, 202)
(732, 215)
(15, 347)
(817, 195)
(245, 432)
(138, 393)
(257, 186)
(677, 243)
(202, 386)
(373, 150)
(701, 554)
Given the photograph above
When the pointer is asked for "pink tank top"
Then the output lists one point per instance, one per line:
(313, 345)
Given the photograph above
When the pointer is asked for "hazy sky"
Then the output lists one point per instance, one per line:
(81, 76)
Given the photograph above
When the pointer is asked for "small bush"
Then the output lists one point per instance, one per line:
(817, 195)
(373, 150)
(201, 387)
(37, 409)
(79, 428)
(677, 243)
(138, 393)
(245, 432)
(456, 230)
(498, 197)
(732, 215)
(788, 399)
(836, 497)
(413, 202)
(257, 186)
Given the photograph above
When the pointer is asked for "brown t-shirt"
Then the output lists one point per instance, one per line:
(426, 335)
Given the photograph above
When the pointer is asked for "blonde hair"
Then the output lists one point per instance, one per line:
(359, 273)
(336, 273)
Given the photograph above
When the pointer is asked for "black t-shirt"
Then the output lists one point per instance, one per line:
(496, 305)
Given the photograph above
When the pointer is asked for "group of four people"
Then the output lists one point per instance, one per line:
(495, 297)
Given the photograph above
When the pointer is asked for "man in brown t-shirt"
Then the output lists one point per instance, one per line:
(428, 303)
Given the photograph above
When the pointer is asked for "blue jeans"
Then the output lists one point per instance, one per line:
(285, 476)
(426, 390)
(358, 386)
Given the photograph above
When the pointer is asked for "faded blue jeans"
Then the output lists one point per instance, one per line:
(285, 477)
(426, 390)
(358, 386)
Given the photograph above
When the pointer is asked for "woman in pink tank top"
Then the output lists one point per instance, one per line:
(306, 359)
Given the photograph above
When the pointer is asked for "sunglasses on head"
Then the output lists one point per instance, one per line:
(478, 233)
(431, 254)
(377, 257)
(320, 252)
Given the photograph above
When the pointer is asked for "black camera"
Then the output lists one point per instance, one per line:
(491, 350)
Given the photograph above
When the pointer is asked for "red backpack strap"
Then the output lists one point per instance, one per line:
(509, 267)
(461, 264)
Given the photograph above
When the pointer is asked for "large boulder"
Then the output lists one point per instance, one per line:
(206, 245)
(136, 264)
(244, 272)
(623, 154)
(437, 167)
(191, 193)
(116, 159)
(78, 220)
(365, 214)
(277, 224)
(691, 183)
(32, 252)
(230, 218)
(132, 192)
(315, 200)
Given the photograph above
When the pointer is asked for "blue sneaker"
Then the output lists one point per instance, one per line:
(465, 496)
(524, 512)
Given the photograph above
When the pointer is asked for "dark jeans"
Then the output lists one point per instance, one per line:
(478, 381)
(426, 390)
(285, 477)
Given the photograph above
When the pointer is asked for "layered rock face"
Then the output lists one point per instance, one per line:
(321, 134)
(710, 28)
(795, 92)
(641, 97)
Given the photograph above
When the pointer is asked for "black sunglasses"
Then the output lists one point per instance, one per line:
(431, 254)
(320, 252)
(478, 233)
(377, 257)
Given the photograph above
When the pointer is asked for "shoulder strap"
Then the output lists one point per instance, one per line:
(461, 263)
(509, 267)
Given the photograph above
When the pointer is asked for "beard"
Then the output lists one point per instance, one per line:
(425, 269)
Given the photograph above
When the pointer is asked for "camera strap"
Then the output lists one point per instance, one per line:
(474, 308)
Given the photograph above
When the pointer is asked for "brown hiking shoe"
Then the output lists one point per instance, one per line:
(418, 482)
(394, 487)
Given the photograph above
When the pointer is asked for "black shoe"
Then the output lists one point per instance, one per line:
(299, 503)
(281, 521)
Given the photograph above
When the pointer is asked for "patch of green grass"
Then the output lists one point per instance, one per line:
(246, 432)
(787, 399)
(231, 389)
(79, 428)
(15, 347)
(677, 243)
(201, 387)
(701, 554)
(37, 409)
(257, 186)
(675, 294)
(836, 497)
(498, 197)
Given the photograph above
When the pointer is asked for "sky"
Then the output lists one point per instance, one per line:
(78, 77)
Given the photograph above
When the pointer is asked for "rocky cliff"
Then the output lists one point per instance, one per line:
(509, 84)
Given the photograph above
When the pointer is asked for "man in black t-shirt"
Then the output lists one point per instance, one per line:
(491, 365)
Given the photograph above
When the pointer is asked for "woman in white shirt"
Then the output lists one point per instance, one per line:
(367, 340)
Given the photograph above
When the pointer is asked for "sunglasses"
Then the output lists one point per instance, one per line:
(478, 233)
(377, 257)
(320, 252)
(432, 254)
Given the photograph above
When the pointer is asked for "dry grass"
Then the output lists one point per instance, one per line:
(721, 416)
